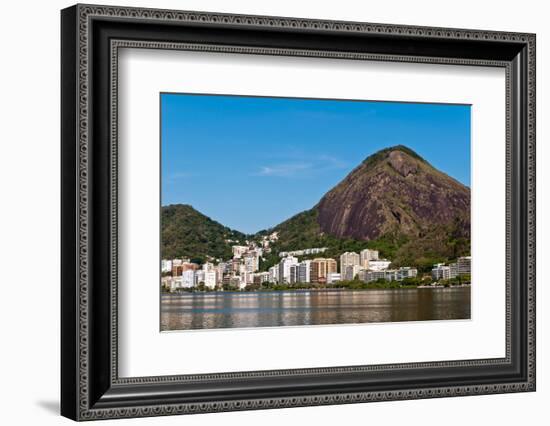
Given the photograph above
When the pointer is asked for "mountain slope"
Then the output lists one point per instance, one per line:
(185, 232)
(394, 190)
(395, 202)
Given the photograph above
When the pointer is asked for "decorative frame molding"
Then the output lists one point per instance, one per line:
(91, 37)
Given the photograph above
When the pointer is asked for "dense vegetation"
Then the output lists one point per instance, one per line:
(187, 233)
(441, 244)
(341, 285)
(380, 155)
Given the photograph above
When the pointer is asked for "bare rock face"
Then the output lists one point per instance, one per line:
(394, 190)
(401, 163)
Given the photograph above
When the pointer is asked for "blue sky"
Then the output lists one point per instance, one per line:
(252, 162)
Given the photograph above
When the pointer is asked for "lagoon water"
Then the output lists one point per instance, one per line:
(297, 308)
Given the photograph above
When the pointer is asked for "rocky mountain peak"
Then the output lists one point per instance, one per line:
(402, 163)
(393, 190)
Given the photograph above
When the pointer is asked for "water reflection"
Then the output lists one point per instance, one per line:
(269, 309)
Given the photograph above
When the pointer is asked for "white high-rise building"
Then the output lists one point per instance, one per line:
(441, 272)
(228, 266)
(351, 272)
(166, 266)
(366, 256)
(221, 268)
(210, 279)
(188, 278)
(251, 261)
(284, 268)
(249, 277)
(238, 251)
(464, 265)
(293, 274)
(241, 269)
(208, 266)
(349, 258)
(199, 277)
(304, 271)
(274, 274)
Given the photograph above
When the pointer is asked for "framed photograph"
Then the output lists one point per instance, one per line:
(263, 212)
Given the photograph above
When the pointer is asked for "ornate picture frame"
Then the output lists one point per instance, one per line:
(91, 37)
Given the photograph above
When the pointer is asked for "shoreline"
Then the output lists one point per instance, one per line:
(308, 290)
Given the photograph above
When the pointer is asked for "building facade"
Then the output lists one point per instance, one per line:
(378, 264)
(406, 272)
(261, 277)
(238, 251)
(165, 266)
(367, 255)
(284, 269)
(349, 259)
(351, 272)
(304, 271)
(464, 265)
(210, 279)
(274, 274)
(188, 278)
(320, 268)
(441, 272)
(333, 277)
(251, 261)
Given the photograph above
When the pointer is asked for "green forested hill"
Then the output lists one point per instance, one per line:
(441, 244)
(185, 232)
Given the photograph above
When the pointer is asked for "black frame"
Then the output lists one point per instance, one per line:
(90, 386)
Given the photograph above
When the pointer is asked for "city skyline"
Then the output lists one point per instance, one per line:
(242, 271)
(236, 180)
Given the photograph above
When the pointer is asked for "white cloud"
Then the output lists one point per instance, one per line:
(317, 164)
(284, 170)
